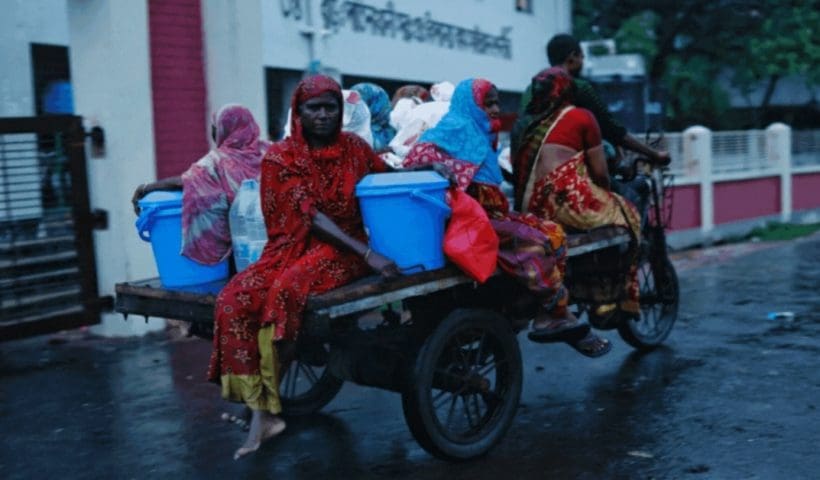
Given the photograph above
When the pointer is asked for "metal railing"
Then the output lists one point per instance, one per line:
(47, 265)
(739, 152)
(806, 148)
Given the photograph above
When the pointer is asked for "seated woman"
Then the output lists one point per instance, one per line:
(412, 120)
(531, 249)
(315, 244)
(210, 185)
(356, 116)
(412, 91)
(561, 173)
(379, 104)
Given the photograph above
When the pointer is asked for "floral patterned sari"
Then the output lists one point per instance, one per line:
(567, 194)
(531, 250)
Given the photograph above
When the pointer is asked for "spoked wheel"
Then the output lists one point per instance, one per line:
(466, 385)
(660, 294)
(308, 385)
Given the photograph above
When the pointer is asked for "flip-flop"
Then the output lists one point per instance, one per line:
(586, 345)
(570, 333)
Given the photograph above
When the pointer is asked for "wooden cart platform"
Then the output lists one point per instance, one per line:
(196, 303)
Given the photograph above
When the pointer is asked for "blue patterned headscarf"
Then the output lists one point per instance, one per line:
(465, 134)
(379, 104)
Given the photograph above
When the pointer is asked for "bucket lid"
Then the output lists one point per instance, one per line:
(161, 199)
(398, 182)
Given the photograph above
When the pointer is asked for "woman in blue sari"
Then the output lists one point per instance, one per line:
(532, 250)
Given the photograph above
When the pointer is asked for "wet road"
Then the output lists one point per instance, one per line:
(732, 396)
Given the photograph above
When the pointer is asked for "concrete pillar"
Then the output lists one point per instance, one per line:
(697, 150)
(234, 69)
(111, 76)
(779, 154)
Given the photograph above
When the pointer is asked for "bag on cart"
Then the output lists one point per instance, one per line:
(470, 240)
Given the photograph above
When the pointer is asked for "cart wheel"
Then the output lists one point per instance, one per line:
(465, 385)
(307, 385)
(660, 294)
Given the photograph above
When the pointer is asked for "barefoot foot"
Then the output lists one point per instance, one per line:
(264, 426)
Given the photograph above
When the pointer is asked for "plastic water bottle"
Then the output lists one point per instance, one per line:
(248, 233)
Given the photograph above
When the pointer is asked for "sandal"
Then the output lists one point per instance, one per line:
(566, 332)
(591, 345)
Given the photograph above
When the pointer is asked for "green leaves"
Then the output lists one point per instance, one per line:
(687, 44)
(637, 35)
(789, 43)
(697, 98)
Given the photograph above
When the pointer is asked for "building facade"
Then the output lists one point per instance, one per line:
(150, 72)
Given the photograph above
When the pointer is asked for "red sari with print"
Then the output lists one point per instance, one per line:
(568, 195)
(265, 302)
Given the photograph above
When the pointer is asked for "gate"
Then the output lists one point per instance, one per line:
(48, 278)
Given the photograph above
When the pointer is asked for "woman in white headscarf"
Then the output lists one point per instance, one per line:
(356, 116)
(413, 120)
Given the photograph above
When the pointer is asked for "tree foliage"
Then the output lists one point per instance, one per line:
(688, 44)
(789, 42)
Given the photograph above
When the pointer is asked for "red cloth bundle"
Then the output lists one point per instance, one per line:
(470, 240)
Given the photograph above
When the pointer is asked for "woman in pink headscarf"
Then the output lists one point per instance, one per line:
(210, 185)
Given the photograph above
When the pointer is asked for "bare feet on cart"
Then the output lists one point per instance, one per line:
(572, 331)
(264, 426)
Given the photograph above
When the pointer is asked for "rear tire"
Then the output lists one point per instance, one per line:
(470, 363)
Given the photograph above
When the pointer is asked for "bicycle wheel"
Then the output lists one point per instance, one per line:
(660, 293)
(307, 386)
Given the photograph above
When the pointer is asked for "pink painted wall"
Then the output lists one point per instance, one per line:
(178, 84)
(685, 207)
(743, 199)
(806, 191)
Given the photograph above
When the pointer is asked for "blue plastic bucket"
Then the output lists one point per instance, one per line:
(160, 222)
(404, 215)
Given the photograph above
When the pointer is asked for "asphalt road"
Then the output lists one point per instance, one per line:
(731, 396)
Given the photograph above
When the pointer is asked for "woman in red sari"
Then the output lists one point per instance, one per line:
(307, 189)
(532, 250)
(561, 175)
